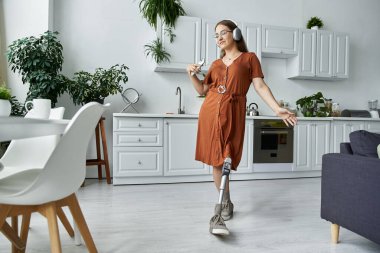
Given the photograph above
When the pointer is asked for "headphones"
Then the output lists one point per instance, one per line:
(236, 33)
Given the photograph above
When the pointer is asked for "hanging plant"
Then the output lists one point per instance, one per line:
(157, 51)
(167, 10)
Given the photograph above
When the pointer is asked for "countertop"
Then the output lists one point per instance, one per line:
(194, 116)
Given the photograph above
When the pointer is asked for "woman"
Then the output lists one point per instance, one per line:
(221, 121)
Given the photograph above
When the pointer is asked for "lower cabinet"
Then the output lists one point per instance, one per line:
(341, 130)
(311, 141)
(180, 137)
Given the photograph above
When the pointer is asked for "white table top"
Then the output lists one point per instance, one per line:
(20, 128)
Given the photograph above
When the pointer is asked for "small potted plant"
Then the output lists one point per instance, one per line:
(314, 23)
(5, 104)
(86, 87)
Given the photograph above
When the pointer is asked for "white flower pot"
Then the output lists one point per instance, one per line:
(5, 107)
(314, 27)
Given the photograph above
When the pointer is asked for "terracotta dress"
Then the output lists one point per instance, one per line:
(221, 122)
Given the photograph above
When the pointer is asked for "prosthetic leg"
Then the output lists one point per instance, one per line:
(217, 225)
(226, 169)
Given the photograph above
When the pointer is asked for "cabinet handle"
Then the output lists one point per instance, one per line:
(139, 140)
(139, 162)
(140, 125)
(167, 123)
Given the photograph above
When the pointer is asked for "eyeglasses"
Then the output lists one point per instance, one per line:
(222, 33)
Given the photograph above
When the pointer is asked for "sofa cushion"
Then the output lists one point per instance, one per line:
(364, 143)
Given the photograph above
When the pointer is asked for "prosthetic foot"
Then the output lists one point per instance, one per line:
(217, 225)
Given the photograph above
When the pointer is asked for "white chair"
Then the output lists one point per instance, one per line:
(52, 187)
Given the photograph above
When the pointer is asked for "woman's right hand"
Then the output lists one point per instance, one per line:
(192, 68)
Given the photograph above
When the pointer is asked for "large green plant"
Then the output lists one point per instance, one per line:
(86, 87)
(167, 10)
(39, 61)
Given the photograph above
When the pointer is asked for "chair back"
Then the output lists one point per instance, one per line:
(65, 170)
(32, 152)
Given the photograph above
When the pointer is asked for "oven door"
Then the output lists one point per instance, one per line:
(273, 145)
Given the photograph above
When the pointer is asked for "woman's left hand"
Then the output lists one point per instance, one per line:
(287, 116)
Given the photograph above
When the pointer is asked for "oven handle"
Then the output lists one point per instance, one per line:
(274, 132)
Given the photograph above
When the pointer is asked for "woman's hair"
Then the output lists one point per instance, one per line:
(242, 47)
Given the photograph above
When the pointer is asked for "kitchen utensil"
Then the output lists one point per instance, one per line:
(372, 104)
(251, 111)
(200, 63)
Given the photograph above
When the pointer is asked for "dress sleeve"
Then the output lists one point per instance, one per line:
(208, 79)
(255, 67)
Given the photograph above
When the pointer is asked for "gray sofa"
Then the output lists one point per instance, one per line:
(351, 187)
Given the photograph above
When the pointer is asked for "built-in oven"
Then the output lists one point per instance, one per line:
(273, 141)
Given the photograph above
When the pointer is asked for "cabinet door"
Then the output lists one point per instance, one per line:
(307, 52)
(320, 143)
(373, 126)
(252, 36)
(246, 162)
(341, 55)
(279, 41)
(180, 142)
(303, 146)
(324, 54)
(183, 50)
(210, 50)
(137, 161)
(341, 132)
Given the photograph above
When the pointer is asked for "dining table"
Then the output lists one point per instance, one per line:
(14, 127)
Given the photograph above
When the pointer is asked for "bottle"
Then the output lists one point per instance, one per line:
(335, 110)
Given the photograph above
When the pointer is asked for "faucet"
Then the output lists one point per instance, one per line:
(180, 111)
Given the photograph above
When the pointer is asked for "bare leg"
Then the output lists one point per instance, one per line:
(217, 174)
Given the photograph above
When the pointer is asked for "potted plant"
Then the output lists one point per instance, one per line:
(314, 23)
(309, 105)
(86, 87)
(39, 61)
(5, 104)
(157, 51)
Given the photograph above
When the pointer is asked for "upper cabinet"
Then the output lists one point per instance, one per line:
(323, 55)
(279, 42)
(186, 47)
(195, 40)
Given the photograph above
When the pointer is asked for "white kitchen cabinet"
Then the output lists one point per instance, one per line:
(341, 130)
(322, 55)
(341, 55)
(252, 36)
(137, 147)
(279, 42)
(179, 152)
(246, 162)
(324, 65)
(373, 126)
(209, 49)
(303, 65)
(186, 47)
(311, 141)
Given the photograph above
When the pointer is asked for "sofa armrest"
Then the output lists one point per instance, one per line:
(345, 148)
(350, 193)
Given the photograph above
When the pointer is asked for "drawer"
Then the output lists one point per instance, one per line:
(137, 124)
(137, 161)
(137, 139)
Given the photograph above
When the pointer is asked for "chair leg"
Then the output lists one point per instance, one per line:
(65, 221)
(76, 211)
(334, 233)
(98, 156)
(50, 211)
(105, 152)
(8, 231)
(24, 230)
(15, 229)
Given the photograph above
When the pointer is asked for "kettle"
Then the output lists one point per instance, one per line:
(251, 111)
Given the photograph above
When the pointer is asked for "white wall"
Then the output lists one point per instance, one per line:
(99, 33)
(20, 18)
